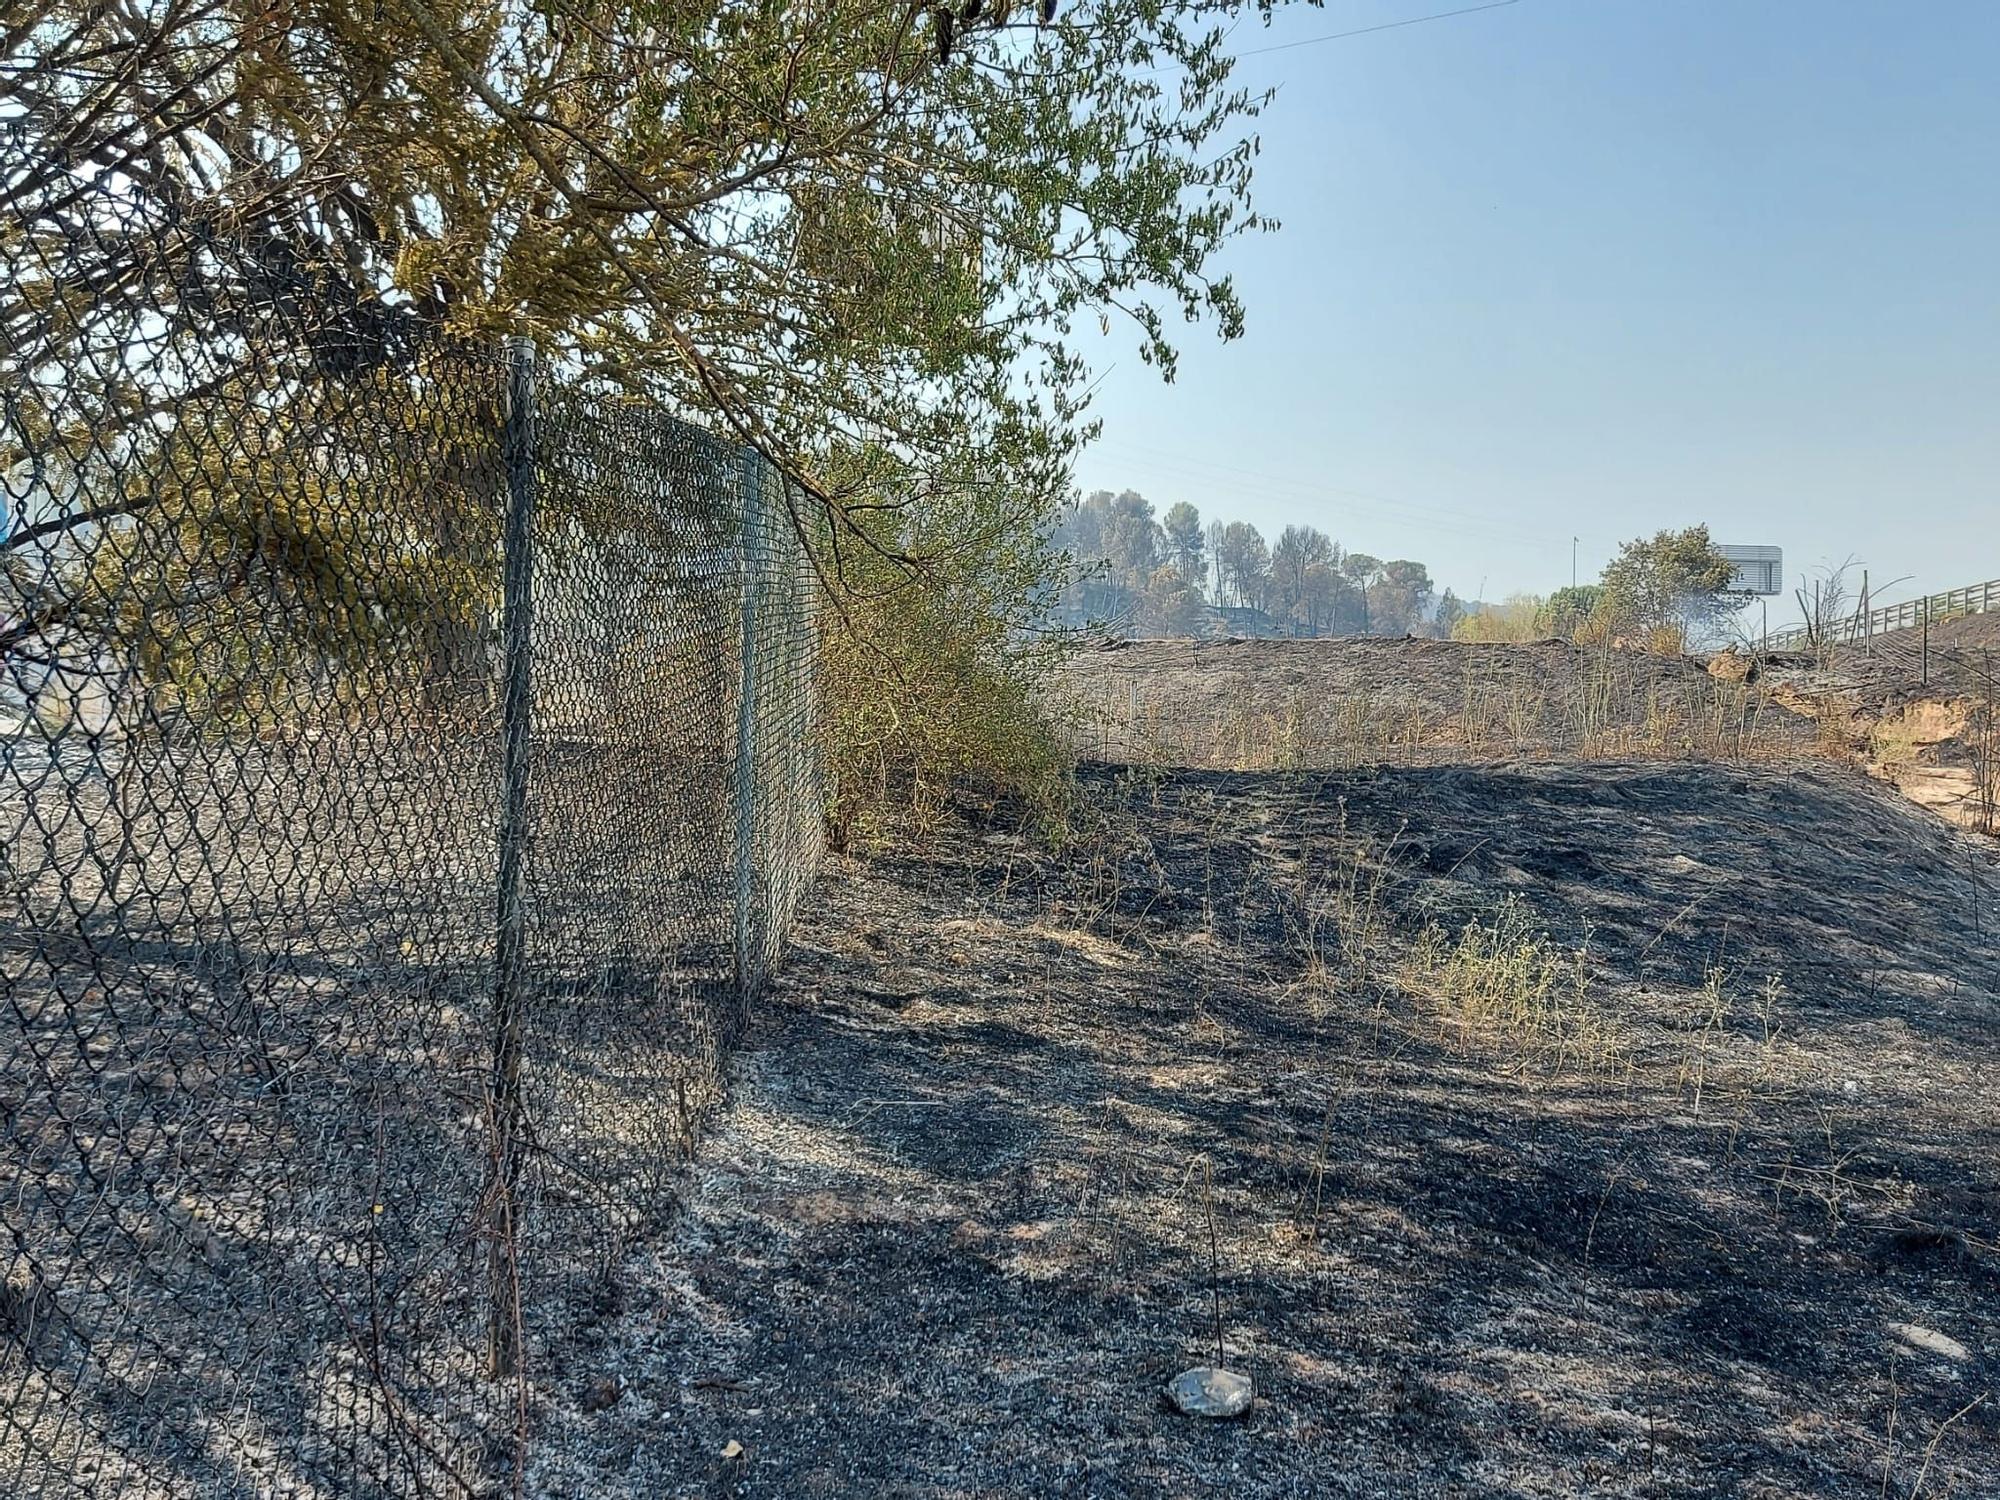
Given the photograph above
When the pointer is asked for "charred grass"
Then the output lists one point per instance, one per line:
(1537, 1129)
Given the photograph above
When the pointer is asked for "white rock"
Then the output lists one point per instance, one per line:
(1208, 1392)
(1931, 1341)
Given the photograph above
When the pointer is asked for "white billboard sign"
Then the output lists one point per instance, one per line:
(1759, 570)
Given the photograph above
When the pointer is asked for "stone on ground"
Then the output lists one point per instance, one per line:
(1206, 1391)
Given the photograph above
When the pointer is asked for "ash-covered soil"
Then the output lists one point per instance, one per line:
(1015, 1125)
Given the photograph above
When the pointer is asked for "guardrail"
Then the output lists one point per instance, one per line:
(1952, 604)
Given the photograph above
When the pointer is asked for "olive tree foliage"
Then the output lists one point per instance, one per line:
(796, 224)
(794, 221)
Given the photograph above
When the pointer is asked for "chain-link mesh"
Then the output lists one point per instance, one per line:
(406, 770)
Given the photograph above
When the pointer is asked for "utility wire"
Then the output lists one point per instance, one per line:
(1314, 41)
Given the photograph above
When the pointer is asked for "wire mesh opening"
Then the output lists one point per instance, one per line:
(406, 773)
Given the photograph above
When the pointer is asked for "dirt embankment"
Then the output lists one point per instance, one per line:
(1533, 1130)
(1354, 701)
(1248, 705)
(1926, 722)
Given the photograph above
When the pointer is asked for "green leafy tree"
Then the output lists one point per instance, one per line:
(1328, 598)
(1112, 545)
(1571, 609)
(796, 222)
(1401, 596)
(1449, 612)
(1362, 571)
(1171, 604)
(1667, 585)
(1131, 538)
(1298, 549)
(223, 573)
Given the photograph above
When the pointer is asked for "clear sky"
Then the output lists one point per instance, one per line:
(1592, 268)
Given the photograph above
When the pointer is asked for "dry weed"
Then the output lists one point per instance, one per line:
(1505, 981)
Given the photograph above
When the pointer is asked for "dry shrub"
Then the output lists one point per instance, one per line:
(1598, 628)
(1983, 743)
(1524, 617)
(1503, 981)
(925, 701)
(1664, 640)
(1341, 923)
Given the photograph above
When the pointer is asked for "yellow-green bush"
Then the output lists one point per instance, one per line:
(1524, 617)
(933, 679)
(918, 706)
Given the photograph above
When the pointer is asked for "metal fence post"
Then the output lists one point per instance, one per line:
(503, 1334)
(1927, 640)
(750, 549)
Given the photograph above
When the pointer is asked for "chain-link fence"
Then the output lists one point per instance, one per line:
(405, 774)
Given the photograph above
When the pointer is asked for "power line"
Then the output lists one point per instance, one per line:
(1335, 36)
(1314, 41)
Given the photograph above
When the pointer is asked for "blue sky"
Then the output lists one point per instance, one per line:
(1596, 267)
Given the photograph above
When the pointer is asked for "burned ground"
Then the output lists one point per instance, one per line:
(1920, 714)
(1357, 700)
(1015, 1125)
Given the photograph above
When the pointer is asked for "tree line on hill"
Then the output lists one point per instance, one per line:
(1173, 575)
